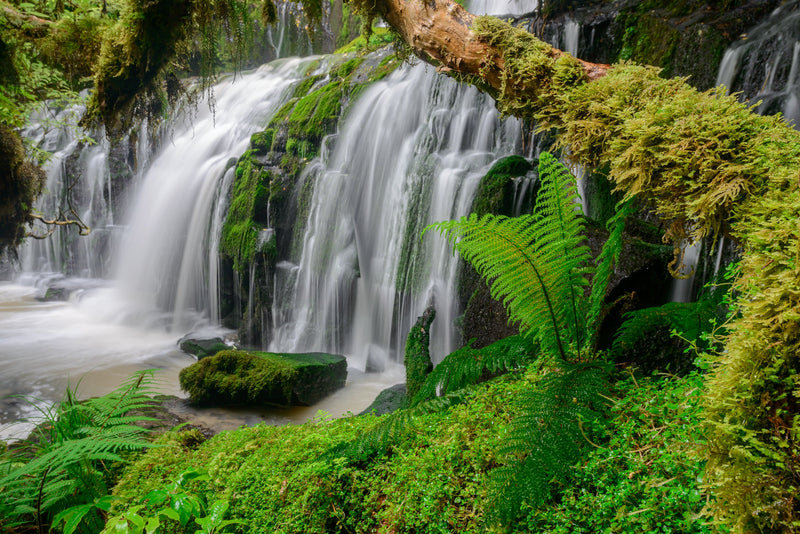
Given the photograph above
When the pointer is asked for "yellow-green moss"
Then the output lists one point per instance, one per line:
(709, 165)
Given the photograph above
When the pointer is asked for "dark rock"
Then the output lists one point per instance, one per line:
(202, 348)
(388, 400)
(55, 294)
(233, 377)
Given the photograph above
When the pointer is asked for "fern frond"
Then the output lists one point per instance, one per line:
(466, 366)
(535, 264)
(64, 464)
(689, 319)
(560, 232)
(548, 437)
(606, 261)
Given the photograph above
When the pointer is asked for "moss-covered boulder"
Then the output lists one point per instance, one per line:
(234, 377)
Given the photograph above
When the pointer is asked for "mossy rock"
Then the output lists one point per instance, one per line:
(388, 401)
(202, 348)
(234, 377)
(495, 193)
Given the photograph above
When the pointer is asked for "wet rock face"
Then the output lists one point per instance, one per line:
(683, 37)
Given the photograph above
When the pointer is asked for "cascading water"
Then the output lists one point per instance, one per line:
(765, 65)
(160, 278)
(411, 152)
(365, 276)
(164, 262)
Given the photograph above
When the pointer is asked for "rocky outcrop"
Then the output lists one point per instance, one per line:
(271, 194)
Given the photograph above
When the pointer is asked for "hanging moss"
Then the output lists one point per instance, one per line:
(709, 165)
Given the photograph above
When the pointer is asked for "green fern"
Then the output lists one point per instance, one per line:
(549, 436)
(467, 366)
(66, 460)
(536, 264)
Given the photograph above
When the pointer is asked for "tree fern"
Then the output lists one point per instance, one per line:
(65, 462)
(536, 264)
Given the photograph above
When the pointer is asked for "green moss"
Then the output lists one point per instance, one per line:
(493, 194)
(21, 182)
(261, 142)
(317, 113)
(247, 212)
(417, 355)
(240, 377)
(379, 37)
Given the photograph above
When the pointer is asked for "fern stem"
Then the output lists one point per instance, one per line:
(39, 525)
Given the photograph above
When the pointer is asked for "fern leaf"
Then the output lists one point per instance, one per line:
(608, 259)
(467, 366)
(549, 437)
(535, 263)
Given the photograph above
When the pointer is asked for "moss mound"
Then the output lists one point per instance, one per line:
(234, 377)
(641, 477)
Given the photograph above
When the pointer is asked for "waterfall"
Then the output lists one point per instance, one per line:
(763, 64)
(365, 275)
(163, 262)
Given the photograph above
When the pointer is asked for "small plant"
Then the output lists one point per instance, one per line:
(175, 507)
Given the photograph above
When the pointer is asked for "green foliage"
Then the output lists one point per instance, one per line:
(644, 336)
(646, 474)
(378, 37)
(20, 185)
(467, 366)
(64, 466)
(536, 263)
(280, 480)
(709, 165)
(172, 505)
(548, 437)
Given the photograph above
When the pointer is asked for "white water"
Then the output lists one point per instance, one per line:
(411, 152)
(156, 279)
(148, 273)
(764, 64)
